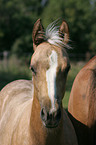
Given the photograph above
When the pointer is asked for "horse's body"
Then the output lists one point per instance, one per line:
(31, 112)
(82, 104)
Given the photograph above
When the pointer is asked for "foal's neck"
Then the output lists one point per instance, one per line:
(39, 133)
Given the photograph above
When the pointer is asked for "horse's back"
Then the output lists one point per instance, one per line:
(18, 88)
(15, 104)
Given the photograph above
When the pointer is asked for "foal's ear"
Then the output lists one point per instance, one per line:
(38, 33)
(64, 31)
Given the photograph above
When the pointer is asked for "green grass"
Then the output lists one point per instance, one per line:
(15, 69)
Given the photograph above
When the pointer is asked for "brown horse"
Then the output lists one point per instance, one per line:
(31, 112)
(82, 104)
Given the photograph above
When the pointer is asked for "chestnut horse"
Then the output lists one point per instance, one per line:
(31, 112)
(82, 104)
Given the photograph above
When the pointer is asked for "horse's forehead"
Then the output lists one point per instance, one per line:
(42, 53)
(44, 48)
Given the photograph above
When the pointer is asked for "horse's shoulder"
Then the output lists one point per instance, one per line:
(15, 86)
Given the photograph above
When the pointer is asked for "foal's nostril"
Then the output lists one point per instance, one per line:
(43, 114)
(50, 115)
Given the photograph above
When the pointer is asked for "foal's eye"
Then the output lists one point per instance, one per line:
(68, 68)
(33, 70)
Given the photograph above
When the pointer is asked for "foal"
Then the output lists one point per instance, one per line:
(82, 104)
(31, 113)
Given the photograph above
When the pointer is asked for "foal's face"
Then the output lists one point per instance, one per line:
(49, 65)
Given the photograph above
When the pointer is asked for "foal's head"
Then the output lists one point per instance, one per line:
(50, 65)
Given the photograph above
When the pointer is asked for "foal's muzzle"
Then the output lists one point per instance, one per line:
(50, 119)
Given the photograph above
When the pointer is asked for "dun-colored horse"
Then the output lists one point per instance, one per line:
(82, 104)
(31, 112)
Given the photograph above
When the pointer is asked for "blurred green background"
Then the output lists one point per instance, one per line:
(17, 18)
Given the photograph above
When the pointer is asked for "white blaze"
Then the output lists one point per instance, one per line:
(51, 77)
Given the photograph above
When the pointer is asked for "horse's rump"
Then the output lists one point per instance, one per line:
(82, 103)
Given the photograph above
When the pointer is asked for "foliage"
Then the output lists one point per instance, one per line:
(18, 17)
(81, 16)
(16, 22)
(93, 27)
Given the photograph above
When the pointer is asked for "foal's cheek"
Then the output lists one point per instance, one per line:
(61, 85)
(41, 86)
